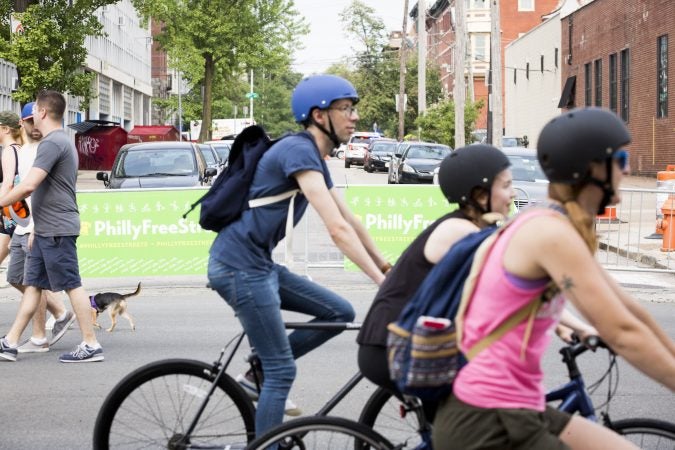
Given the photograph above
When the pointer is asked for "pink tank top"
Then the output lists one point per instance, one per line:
(498, 377)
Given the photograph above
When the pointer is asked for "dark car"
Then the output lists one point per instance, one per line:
(415, 162)
(379, 154)
(158, 165)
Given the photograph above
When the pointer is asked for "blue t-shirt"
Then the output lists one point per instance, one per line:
(247, 243)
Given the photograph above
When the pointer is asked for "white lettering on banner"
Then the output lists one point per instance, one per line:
(146, 227)
(396, 222)
(88, 145)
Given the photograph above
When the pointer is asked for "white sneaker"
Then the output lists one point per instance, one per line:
(32, 347)
(290, 408)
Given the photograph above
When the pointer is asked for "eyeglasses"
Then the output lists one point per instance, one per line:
(346, 111)
(621, 156)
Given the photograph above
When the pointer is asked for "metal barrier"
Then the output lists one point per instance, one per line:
(626, 237)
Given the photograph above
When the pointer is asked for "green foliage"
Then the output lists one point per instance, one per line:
(375, 74)
(51, 53)
(438, 124)
(214, 43)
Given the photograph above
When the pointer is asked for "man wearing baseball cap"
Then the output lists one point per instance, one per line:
(20, 243)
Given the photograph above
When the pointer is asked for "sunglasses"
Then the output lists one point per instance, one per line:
(621, 156)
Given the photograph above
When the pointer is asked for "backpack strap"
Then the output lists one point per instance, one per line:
(528, 310)
(262, 201)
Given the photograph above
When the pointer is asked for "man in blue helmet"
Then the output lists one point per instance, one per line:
(241, 269)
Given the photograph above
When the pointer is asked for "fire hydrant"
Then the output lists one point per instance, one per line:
(667, 224)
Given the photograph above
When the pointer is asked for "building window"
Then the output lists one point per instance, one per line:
(588, 89)
(555, 57)
(662, 76)
(625, 84)
(525, 5)
(612, 82)
(477, 4)
(598, 82)
(480, 46)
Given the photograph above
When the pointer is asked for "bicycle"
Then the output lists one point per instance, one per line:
(187, 404)
(326, 432)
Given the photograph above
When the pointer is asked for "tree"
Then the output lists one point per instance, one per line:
(207, 38)
(438, 124)
(50, 53)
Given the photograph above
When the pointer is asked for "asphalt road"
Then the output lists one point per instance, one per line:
(45, 404)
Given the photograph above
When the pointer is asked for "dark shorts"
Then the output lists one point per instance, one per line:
(16, 269)
(462, 426)
(52, 263)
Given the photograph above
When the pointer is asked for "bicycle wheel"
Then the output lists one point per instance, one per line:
(321, 432)
(154, 406)
(648, 434)
(390, 417)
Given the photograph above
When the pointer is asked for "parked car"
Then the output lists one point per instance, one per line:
(222, 147)
(414, 162)
(529, 181)
(512, 141)
(157, 165)
(379, 154)
(211, 157)
(339, 152)
(357, 145)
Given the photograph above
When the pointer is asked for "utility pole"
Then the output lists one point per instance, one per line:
(460, 87)
(496, 75)
(401, 76)
(422, 57)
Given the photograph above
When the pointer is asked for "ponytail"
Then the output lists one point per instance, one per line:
(581, 220)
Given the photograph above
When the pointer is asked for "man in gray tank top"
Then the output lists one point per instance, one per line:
(52, 259)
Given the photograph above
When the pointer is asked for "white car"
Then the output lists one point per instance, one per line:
(357, 147)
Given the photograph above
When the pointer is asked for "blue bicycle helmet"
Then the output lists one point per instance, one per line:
(319, 91)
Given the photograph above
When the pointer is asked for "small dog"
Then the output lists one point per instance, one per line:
(117, 304)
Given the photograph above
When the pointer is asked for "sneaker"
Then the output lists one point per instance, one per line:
(61, 326)
(83, 353)
(248, 384)
(6, 352)
(32, 347)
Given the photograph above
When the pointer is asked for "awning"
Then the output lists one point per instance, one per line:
(568, 93)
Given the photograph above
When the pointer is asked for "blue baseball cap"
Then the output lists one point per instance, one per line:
(27, 111)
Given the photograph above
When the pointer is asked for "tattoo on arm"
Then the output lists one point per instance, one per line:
(566, 284)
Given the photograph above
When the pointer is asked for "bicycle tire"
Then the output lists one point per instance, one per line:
(321, 432)
(154, 405)
(382, 413)
(648, 434)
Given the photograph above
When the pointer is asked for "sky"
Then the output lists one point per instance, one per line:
(326, 42)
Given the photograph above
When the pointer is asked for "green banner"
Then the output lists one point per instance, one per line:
(141, 233)
(395, 215)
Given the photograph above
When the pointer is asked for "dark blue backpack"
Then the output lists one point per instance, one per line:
(422, 346)
(227, 198)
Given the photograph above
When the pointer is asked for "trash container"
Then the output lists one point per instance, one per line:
(97, 143)
(153, 133)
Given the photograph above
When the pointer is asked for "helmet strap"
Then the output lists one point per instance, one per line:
(331, 134)
(606, 186)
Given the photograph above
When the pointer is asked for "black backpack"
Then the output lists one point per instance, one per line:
(227, 198)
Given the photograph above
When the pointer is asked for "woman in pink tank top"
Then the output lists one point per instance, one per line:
(498, 397)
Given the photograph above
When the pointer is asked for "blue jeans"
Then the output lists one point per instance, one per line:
(257, 298)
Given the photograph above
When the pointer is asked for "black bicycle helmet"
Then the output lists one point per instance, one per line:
(469, 167)
(568, 143)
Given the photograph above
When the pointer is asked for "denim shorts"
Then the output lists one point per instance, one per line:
(16, 269)
(52, 263)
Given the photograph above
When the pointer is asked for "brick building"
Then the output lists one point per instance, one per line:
(615, 54)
